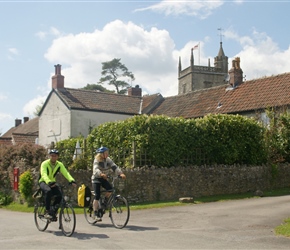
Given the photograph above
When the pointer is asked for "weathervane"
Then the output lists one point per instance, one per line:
(221, 35)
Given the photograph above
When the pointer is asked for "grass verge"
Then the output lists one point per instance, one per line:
(283, 229)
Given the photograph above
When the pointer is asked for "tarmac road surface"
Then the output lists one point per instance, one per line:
(237, 224)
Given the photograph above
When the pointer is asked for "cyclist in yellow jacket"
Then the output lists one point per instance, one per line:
(47, 182)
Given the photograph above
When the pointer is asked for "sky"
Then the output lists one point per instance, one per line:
(148, 36)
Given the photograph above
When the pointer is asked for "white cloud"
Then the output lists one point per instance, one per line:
(4, 116)
(54, 31)
(13, 51)
(3, 97)
(42, 35)
(4, 120)
(30, 108)
(200, 9)
(148, 54)
(260, 55)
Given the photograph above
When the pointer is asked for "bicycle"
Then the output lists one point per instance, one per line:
(67, 217)
(116, 205)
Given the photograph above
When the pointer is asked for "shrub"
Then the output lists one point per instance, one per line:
(26, 185)
(5, 199)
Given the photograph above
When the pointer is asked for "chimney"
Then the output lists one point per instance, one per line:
(136, 91)
(236, 73)
(17, 122)
(25, 119)
(57, 80)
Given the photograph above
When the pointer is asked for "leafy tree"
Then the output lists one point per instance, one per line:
(97, 87)
(38, 108)
(112, 71)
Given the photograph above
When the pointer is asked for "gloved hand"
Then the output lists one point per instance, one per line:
(51, 184)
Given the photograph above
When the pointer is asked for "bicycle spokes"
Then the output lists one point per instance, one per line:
(89, 214)
(40, 222)
(120, 212)
(67, 220)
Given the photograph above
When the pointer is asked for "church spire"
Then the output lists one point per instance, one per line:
(221, 60)
(179, 66)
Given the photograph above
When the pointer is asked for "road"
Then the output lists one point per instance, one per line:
(238, 224)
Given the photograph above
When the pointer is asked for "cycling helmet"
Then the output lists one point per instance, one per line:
(53, 151)
(102, 150)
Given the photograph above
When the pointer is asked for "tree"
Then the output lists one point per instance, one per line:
(37, 109)
(112, 71)
(97, 87)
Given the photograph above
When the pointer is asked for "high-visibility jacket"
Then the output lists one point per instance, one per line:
(48, 171)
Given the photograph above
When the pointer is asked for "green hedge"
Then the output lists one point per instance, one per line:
(222, 139)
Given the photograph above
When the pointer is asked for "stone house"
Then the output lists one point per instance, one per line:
(71, 112)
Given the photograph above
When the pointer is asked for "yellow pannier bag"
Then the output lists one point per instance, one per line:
(84, 196)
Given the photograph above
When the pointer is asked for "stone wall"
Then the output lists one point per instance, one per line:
(163, 184)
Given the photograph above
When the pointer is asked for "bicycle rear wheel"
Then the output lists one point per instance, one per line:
(67, 219)
(89, 214)
(119, 212)
(40, 222)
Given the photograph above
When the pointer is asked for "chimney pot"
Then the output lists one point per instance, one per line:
(25, 119)
(17, 122)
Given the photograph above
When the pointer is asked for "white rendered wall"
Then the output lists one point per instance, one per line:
(54, 122)
(85, 121)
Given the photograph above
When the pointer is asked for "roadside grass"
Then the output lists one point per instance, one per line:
(283, 229)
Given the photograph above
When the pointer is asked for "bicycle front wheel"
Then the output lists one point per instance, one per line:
(40, 222)
(67, 220)
(89, 214)
(119, 212)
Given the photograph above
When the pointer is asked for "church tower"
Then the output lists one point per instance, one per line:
(197, 77)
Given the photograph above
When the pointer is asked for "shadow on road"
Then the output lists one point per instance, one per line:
(82, 236)
(128, 227)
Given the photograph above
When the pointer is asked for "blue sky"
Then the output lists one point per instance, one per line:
(148, 37)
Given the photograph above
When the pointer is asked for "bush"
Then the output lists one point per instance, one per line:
(5, 199)
(30, 155)
(26, 184)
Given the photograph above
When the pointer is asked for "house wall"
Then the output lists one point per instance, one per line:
(82, 122)
(54, 122)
